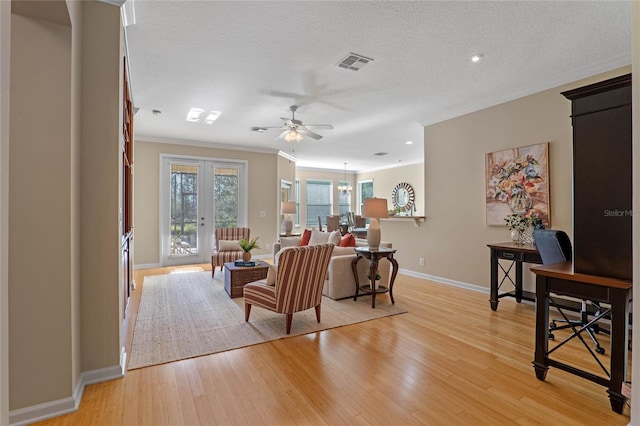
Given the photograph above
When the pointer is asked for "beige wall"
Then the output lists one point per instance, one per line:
(385, 180)
(100, 186)
(39, 212)
(264, 189)
(5, 60)
(455, 233)
(64, 187)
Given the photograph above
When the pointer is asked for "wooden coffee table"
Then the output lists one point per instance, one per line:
(235, 277)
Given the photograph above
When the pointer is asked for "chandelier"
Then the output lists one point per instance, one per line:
(344, 189)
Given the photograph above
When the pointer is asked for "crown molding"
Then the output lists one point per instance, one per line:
(117, 3)
(202, 144)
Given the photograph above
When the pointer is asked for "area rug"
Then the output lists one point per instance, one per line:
(187, 315)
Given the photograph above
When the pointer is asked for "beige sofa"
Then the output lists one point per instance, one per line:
(340, 283)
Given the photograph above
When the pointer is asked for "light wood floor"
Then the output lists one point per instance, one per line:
(449, 360)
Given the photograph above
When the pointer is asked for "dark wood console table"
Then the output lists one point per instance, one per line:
(374, 256)
(560, 279)
(517, 253)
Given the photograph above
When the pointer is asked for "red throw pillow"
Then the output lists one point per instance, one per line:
(348, 241)
(306, 236)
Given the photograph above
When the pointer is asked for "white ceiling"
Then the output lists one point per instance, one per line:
(252, 60)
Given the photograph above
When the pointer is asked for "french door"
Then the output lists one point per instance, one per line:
(198, 196)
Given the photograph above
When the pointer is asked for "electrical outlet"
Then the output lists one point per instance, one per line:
(263, 213)
(421, 261)
(266, 246)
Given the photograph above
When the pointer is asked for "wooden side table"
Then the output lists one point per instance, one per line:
(374, 256)
(235, 277)
(517, 254)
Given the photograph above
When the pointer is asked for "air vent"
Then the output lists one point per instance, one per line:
(380, 154)
(259, 129)
(354, 62)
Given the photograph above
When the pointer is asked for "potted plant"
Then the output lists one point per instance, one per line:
(247, 246)
(377, 278)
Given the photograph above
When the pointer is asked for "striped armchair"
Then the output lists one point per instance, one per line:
(219, 257)
(298, 285)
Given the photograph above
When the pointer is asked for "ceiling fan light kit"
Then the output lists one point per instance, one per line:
(294, 130)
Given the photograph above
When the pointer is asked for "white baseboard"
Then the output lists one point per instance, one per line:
(157, 265)
(47, 410)
(447, 281)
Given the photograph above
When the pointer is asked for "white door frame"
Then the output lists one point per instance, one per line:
(205, 205)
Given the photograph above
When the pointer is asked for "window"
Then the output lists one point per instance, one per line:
(365, 190)
(318, 200)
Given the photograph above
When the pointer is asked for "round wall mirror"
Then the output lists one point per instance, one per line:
(403, 196)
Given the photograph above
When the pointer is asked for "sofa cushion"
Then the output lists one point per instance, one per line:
(341, 251)
(306, 236)
(348, 241)
(318, 237)
(290, 242)
(229, 245)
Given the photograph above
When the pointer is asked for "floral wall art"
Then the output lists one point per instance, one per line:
(517, 182)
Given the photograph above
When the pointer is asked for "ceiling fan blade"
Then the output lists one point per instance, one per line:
(320, 126)
(310, 134)
(281, 135)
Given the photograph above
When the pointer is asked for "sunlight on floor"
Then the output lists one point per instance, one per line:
(187, 270)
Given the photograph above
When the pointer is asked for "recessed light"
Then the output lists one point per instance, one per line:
(409, 142)
(199, 115)
(476, 57)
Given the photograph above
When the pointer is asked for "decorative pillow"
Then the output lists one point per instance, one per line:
(318, 237)
(348, 240)
(229, 245)
(271, 275)
(334, 237)
(306, 236)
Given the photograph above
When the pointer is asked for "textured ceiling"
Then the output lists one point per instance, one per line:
(252, 60)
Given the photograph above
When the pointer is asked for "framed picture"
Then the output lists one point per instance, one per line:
(517, 182)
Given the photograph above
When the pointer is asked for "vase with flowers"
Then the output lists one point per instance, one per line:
(521, 228)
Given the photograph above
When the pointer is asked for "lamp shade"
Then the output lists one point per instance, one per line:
(375, 208)
(288, 207)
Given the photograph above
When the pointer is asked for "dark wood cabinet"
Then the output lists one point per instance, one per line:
(602, 178)
(127, 190)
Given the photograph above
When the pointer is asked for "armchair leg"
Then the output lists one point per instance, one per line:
(289, 319)
(318, 313)
(247, 311)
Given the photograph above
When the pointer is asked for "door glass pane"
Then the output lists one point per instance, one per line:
(225, 195)
(184, 209)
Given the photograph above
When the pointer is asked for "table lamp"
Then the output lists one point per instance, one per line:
(287, 208)
(374, 208)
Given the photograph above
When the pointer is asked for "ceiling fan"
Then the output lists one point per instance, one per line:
(294, 129)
